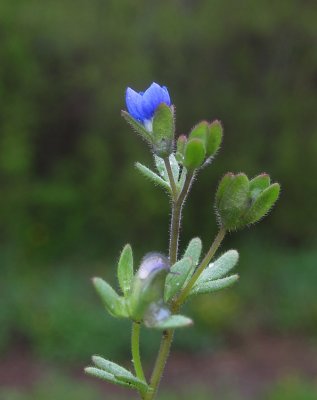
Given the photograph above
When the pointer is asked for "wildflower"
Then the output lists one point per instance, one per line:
(143, 105)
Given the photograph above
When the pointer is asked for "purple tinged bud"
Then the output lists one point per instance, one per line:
(152, 262)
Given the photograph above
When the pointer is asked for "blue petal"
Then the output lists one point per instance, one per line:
(167, 99)
(133, 102)
(152, 98)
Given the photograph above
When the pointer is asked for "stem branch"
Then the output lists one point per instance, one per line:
(135, 346)
(176, 219)
(211, 252)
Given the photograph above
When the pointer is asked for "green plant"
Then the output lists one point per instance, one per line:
(154, 295)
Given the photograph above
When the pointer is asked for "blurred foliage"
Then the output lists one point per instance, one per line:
(69, 192)
(66, 388)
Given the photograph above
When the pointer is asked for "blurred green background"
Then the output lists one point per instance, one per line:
(71, 198)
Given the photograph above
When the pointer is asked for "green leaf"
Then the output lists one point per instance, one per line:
(125, 269)
(212, 286)
(119, 372)
(263, 203)
(195, 152)
(258, 184)
(193, 251)
(99, 373)
(110, 366)
(139, 128)
(114, 303)
(173, 322)
(176, 278)
(157, 180)
(220, 267)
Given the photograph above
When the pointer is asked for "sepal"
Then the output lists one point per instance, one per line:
(262, 204)
(125, 270)
(148, 173)
(115, 304)
(232, 200)
(137, 127)
(163, 130)
(195, 153)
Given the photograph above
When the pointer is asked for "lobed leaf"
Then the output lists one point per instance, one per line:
(177, 277)
(220, 267)
(119, 372)
(212, 286)
(99, 373)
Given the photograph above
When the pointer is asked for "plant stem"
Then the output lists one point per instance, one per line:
(176, 219)
(163, 353)
(171, 177)
(167, 336)
(211, 252)
(135, 347)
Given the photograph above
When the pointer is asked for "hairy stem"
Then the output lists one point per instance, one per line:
(167, 336)
(176, 219)
(209, 255)
(171, 177)
(163, 354)
(135, 346)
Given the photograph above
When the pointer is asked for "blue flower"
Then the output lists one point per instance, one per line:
(142, 106)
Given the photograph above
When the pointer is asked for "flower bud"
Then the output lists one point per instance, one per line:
(200, 131)
(148, 285)
(240, 202)
(195, 153)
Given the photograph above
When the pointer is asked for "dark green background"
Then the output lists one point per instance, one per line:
(71, 198)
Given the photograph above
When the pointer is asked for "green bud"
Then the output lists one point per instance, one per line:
(240, 202)
(180, 148)
(200, 131)
(148, 285)
(195, 153)
(163, 130)
(214, 138)
(232, 200)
